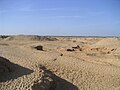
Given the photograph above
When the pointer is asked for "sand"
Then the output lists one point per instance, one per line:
(61, 63)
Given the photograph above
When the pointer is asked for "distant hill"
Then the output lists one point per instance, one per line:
(28, 37)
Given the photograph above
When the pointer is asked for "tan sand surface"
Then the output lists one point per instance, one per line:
(60, 63)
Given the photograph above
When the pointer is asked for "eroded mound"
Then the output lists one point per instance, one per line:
(9, 70)
(49, 81)
(30, 37)
(108, 42)
(3, 37)
(46, 82)
(5, 65)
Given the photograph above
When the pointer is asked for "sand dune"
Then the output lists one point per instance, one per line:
(59, 63)
(108, 42)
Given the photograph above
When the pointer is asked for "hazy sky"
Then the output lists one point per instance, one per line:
(60, 17)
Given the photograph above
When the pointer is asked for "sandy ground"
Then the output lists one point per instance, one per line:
(68, 63)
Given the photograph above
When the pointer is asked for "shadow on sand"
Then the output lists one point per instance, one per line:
(9, 70)
(57, 84)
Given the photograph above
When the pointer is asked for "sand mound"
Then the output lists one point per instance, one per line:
(30, 37)
(102, 50)
(5, 65)
(9, 70)
(46, 82)
(108, 45)
(3, 37)
(108, 42)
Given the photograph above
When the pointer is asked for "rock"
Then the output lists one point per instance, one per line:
(77, 47)
(95, 49)
(80, 49)
(70, 50)
(74, 40)
(39, 47)
(61, 54)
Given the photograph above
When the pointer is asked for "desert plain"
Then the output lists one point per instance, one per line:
(31, 62)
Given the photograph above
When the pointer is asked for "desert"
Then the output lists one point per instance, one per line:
(32, 62)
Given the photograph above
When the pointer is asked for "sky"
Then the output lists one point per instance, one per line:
(60, 17)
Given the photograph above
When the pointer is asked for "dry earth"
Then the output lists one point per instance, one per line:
(59, 63)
